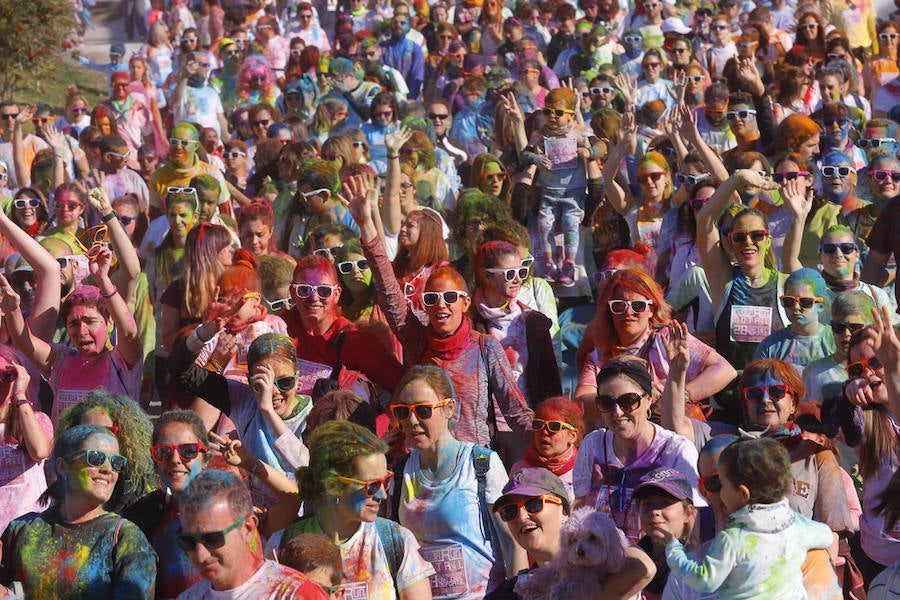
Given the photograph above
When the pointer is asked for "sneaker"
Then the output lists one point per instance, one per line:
(567, 274)
(550, 271)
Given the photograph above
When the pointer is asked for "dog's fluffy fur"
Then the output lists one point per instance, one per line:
(591, 547)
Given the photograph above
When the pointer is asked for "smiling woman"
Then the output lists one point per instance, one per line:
(344, 485)
(46, 552)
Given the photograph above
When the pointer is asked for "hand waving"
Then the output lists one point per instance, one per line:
(677, 347)
(396, 137)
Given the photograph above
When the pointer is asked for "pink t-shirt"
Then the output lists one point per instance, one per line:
(22, 480)
(73, 377)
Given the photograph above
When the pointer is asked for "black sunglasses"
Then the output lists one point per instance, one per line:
(841, 327)
(627, 402)
(782, 176)
(756, 393)
(211, 540)
(845, 248)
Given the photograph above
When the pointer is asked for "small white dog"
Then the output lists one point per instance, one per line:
(591, 547)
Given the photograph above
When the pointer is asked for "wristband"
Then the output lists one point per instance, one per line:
(19, 398)
(392, 157)
(109, 295)
(112, 214)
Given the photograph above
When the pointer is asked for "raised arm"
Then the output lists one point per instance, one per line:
(622, 200)
(389, 293)
(688, 131)
(391, 211)
(672, 404)
(887, 349)
(129, 343)
(799, 204)
(45, 308)
(36, 439)
(56, 141)
(23, 173)
(126, 276)
(34, 348)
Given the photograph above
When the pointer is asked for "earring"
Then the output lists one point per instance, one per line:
(649, 413)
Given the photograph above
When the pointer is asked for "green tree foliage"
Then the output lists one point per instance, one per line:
(34, 34)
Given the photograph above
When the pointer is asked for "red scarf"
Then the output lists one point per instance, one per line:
(558, 465)
(448, 348)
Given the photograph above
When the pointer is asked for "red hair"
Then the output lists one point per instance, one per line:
(560, 408)
(777, 369)
(627, 280)
(430, 249)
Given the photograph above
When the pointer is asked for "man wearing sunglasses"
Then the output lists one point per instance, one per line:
(182, 166)
(403, 54)
(839, 178)
(219, 535)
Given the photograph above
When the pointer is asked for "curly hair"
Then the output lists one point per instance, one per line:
(762, 465)
(133, 434)
(333, 448)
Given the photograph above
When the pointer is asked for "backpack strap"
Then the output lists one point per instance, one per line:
(399, 465)
(492, 419)
(481, 460)
(389, 536)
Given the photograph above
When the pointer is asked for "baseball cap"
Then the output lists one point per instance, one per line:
(118, 49)
(15, 264)
(533, 482)
(675, 25)
(669, 480)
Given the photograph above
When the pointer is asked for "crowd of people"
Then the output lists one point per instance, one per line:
(362, 299)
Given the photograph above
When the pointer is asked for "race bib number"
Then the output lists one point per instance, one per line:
(358, 590)
(307, 374)
(626, 519)
(449, 577)
(562, 152)
(750, 323)
(649, 232)
(12, 466)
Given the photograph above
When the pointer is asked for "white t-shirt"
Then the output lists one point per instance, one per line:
(271, 582)
(446, 518)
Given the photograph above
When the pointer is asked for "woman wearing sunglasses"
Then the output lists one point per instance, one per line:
(883, 67)
(558, 427)
(268, 413)
(476, 364)
(742, 271)
(29, 211)
(632, 318)
(443, 500)
(613, 459)
(343, 488)
(129, 423)
(771, 393)
(524, 333)
(869, 426)
(358, 296)
(76, 545)
(535, 506)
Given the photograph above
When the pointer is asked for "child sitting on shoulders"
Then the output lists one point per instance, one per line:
(760, 551)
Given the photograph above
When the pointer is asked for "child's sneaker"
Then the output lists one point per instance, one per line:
(567, 274)
(550, 271)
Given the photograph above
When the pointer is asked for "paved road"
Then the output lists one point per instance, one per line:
(97, 41)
